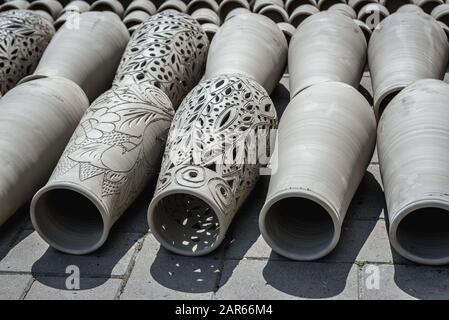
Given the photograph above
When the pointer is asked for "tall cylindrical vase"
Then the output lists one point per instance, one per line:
(413, 147)
(37, 119)
(325, 142)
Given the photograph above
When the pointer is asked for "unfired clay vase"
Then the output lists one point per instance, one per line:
(326, 139)
(227, 6)
(71, 13)
(274, 12)
(15, 4)
(445, 28)
(167, 51)
(176, 5)
(344, 9)
(359, 4)
(53, 7)
(251, 45)
(326, 4)
(428, 5)
(301, 13)
(136, 17)
(291, 5)
(236, 12)
(112, 154)
(206, 15)
(198, 4)
(394, 5)
(413, 148)
(372, 14)
(260, 4)
(210, 29)
(24, 35)
(42, 114)
(141, 5)
(365, 29)
(77, 6)
(287, 29)
(441, 13)
(401, 52)
(91, 52)
(328, 46)
(210, 163)
(108, 5)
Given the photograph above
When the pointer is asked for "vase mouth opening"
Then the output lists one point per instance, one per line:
(185, 224)
(299, 228)
(68, 220)
(326, 4)
(103, 6)
(385, 101)
(421, 234)
(227, 7)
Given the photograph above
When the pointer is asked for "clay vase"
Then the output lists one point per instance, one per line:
(428, 5)
(359, 4)
(328, 46)
(14, 4)
(441, 13)
(445, 28)
(24, 35)
(287, 29)
(413, 148)
(291, 5)
(210, 163)
(236, 12)
(326, 4)
(410, 8)
(52, 7)
(251, 45)
(372, 14)
(42, 114)
(274, 12)
(110, 158)
(365, 29)
(199, 4)
(141, 5)
(176, 5)
(71, 13)
(135, 18)
(301, 13)
(168, 51)
(206, 15)
(210, 29)
(344, 9)
(77, 6)
(226, 6)
(260, 4)
(326, 139)
(91, 51)
(108, 5)
(401, 52)
(394, 5)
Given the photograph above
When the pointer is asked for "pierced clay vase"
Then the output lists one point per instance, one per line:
(413, 148)
(326, 139)
(24, 35)
(42, 114)
(91, 52)
(401, 52)
(105, 166)
(251, 45)
(202, 184)
(327, 46)
(167, 51)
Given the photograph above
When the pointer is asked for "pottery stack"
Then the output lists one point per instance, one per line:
(117, 146)
(325, 141)
(220, 138)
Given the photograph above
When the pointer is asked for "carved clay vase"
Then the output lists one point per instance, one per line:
(41, 131)
(134, 18)
(52, 7)
(326, 4)
(428, 5)
(251, 45)
(24, 35)
(291, 5)
(210, 163)
(359, 4)
(260, 4)
(111, 156)
(327, 46)
(141, 5)
(206, 15)
(226, 6)
(176, 5)
(301, 13)
(274, 12)
(326, 139)
(401, 52)
(108, 5)
(210, 29)
(287, 29)
(199, 4)
(441, 13)
(413, 148)
(344, 9)
(14, 4)
(372, 14)
(91, 51)
(394, 5)
(175, 66)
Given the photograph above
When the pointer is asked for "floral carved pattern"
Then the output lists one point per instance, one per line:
(115, 143)
(24, 35)
(168, 51)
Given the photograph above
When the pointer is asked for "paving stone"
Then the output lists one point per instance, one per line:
(404, 282)
(256, 279)
(13, 286)
(158, 274)
(32, 254)
(48, 288)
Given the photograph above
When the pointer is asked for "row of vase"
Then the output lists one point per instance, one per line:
(86, 150)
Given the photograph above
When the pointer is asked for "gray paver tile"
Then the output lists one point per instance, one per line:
(13, 286)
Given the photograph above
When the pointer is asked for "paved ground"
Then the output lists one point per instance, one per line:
(133, 266)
